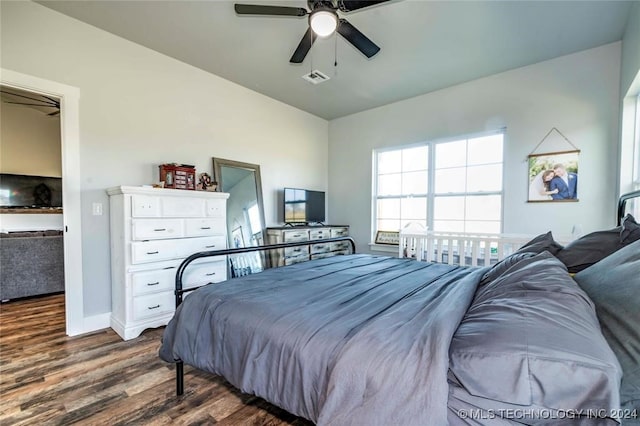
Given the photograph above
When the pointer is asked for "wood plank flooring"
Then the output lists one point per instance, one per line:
(49, 378)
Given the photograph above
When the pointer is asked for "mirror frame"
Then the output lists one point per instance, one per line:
(218, 163)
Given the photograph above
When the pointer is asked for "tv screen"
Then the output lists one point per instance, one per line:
(302, 206)
(30, 191)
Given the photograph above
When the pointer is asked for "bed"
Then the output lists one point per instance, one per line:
(364, 339)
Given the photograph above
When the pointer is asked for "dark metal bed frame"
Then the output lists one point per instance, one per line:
(622, 201)
(179, 291)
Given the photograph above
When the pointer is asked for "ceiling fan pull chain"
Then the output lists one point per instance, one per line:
(311, 52)
(335, 55)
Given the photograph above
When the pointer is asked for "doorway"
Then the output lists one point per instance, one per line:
(68, 97)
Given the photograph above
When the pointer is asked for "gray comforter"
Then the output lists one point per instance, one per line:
(347, 340)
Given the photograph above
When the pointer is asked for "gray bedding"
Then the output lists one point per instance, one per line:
(358, 340)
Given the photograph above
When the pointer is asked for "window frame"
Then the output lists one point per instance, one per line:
(431, 170)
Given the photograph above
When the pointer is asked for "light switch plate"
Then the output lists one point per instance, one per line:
(97, 209)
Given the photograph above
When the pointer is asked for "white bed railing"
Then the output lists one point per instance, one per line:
(456, 248)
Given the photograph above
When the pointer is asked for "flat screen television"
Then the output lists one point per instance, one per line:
(21, 191)
(303, 206)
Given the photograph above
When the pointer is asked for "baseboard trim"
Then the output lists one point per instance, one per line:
(96, 322)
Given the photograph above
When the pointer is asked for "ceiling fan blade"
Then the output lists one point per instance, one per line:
(26, 97)
(351, 5)
(359, 40)
(38, 105)
(303, 48)
(53, 101)
(254, 9)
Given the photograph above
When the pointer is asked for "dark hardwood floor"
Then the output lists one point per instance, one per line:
(47, 377)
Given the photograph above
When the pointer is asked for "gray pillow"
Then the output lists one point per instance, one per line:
(531, 337)
(593, 247)
(543, 242)
(504, 265)
(614, 286)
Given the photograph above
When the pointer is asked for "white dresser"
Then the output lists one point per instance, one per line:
(291, 255)
(152, 232)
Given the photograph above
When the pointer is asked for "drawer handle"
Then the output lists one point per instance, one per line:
(205, 227)
(211, 273)
(210, 246)
(319, 246)
(153, 307)
(169, 267)
(160, 229)
(153, 252)
(156, 283)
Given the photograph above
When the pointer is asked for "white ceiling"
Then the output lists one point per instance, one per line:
(426, 45)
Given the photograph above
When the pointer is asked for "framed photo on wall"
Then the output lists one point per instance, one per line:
(553, 177)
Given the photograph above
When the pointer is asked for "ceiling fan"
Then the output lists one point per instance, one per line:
(323, 21)
(34, 100)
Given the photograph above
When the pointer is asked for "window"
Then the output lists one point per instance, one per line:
(253, 213)
(453, 186)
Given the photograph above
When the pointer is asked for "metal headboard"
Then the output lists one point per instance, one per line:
(622, 203)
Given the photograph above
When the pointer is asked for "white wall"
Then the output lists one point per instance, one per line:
(578, 94)
(630, 50)
(139, 109)
(30, 142)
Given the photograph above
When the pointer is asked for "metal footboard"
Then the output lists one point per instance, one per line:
(179, 291)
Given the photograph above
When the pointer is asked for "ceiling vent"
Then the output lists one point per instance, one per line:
(315, 77)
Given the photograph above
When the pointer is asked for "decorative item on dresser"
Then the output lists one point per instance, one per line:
(291, 255)
(178, 176)
(152, 231)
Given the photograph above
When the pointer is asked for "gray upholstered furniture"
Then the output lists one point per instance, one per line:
(31, 263)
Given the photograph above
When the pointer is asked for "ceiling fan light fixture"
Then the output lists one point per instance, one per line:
(323, 22)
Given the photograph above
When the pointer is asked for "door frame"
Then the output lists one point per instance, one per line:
(71, 201)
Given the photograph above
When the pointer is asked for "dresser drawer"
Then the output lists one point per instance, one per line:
(182, 207)
(320, 248)
(153, 281)
(296, 251)
(188, 246)
(153, 304)
(156, 229)
(154, 251)
(145, 206)
(341, 245)
(293, 236)
(216, 208)
(339, 232)
(204, 273)
(319, 234)
(205, 227)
